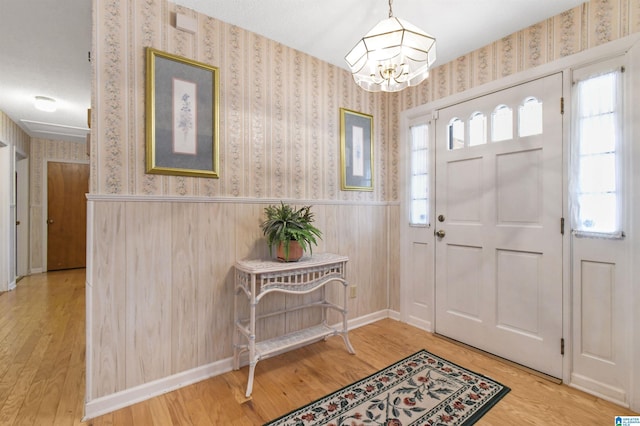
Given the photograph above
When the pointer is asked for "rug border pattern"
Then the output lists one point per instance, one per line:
(471, 417)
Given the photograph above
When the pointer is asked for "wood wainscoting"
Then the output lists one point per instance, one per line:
(42, 349)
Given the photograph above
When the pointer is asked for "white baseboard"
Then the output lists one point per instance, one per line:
(118, 400)
(601, 390)
(109, 403)
(35, 271)
(394, 315)
(420, 323)
(367, 319)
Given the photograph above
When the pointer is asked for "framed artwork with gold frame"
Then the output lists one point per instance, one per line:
(356, 150)
(182, 116)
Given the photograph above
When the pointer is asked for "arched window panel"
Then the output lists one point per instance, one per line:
(456, 134)
(530, 117)
(502, 124)
(477, 129)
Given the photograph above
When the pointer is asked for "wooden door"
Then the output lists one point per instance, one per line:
(499, 243)
(67, 186)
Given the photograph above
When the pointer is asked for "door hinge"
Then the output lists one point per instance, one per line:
(562, 346)
(562, 105)
(562, 225)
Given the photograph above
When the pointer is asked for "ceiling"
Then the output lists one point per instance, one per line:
(43, 52)
(44, 44)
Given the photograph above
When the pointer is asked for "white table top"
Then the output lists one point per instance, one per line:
(258, 266)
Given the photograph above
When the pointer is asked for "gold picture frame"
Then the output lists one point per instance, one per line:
(182, 116)
(356, 150)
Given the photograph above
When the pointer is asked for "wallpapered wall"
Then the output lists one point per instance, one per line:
(279, 108)
(279, 111)
(12, 134)
(594, 23)
(159, 268)
(162, 248)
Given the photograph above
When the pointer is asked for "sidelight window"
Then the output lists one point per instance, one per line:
(419, 175)
(596, 161)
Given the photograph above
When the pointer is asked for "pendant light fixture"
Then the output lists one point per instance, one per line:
(44, 103)
(393, 55)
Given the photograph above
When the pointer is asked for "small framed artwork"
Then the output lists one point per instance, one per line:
(356, 150)
(182, 116)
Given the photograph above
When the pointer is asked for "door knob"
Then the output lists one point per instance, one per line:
(440, 233)
(17, 222)
(49, 221)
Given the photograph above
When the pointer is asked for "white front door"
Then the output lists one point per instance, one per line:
(498, 212)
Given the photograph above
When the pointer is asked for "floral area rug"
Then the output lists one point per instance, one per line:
(422, 389)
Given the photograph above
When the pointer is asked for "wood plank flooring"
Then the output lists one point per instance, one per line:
(42, 372)
(42, 350)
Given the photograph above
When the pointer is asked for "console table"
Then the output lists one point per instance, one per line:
(257, 278)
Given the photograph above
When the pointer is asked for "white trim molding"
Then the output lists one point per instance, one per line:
(118, 400)
(100, 406)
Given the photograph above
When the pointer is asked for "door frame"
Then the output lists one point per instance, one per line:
(634, 393)
(45, 206)
(22, 214)
(563, 65)
(406, 229)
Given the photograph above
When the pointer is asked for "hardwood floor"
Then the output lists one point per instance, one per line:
(42, 372)
(42, 350)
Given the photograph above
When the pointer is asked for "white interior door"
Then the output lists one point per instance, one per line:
(499, 208)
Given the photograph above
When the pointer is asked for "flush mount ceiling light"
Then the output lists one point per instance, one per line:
(391, 56)
(44, 103)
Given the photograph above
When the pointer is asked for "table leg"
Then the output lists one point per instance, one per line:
(345, 327)
(252, 369)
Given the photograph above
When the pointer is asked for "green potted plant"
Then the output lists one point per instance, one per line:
(290, 229)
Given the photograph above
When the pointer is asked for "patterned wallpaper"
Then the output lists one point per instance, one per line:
(279, 111)
(279, 108)
(12, 134)
(592, 24)
(279, 138)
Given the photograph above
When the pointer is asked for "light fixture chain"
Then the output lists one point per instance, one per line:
(390, 11)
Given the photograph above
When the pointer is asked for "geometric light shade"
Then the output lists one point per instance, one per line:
(393, 55)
